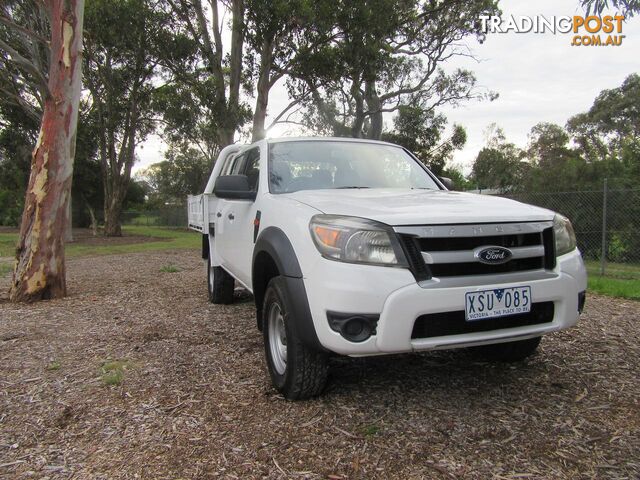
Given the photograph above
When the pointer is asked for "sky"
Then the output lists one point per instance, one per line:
(539, 78)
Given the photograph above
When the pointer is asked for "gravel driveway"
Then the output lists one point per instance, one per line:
(135, 375)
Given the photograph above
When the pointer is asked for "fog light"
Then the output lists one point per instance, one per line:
(353, 327)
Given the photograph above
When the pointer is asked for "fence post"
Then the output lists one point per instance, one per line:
(603, 254)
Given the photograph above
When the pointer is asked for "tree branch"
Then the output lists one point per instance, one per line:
(19, 60)
(9, 23)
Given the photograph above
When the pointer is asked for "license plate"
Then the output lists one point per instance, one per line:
(498, 302)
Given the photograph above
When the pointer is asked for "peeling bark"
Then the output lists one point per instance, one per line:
(39, 271)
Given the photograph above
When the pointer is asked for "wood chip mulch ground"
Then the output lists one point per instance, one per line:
(135, 375)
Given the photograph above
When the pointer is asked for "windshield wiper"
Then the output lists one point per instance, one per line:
(350, 186)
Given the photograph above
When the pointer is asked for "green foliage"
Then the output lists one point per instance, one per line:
(548, 145)
(420, 131)
(17, 136)
(191, 112)
(607, 145)
(183, 172)
(603, 142)
(619, 247)
(8, 242)
(460, 182)
(629, 8)
(128, 43)
(611, 127)
(374, 62)
(11, 205)
(499, 165)
(20, 115)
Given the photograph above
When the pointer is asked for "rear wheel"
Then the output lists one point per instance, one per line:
(296, 370)
(510, 351)
(220, 284)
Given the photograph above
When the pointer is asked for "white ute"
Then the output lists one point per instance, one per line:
(353, 247)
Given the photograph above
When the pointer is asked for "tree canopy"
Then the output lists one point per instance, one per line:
(603, 142)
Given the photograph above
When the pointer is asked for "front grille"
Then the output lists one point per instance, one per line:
(476, 268)
(454, 323)
(414, 257)
(448, 251)
(469, 243)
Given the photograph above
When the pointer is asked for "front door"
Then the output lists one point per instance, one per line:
(235, 225)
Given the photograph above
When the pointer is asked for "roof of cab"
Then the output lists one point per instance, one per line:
(326, 139)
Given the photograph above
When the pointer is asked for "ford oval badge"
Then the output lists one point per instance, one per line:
(493, 255)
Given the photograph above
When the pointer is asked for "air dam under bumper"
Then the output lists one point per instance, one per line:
(400, 308)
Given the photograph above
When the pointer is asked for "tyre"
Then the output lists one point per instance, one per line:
(510, 351)
(296, 370)
(220, 285)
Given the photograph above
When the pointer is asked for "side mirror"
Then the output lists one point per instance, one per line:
(447, 182)
(233, 187)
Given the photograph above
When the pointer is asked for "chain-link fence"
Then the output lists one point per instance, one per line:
(606, 222)
(168, 216)
(607, 226)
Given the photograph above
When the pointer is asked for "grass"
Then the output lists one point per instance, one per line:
(622, 280)
(53, 366)
(370, 430)
(615, 287)
(160, 238)
(623, 271)
(143, 220)
(8, 244)
(5, 268)
(169, 268)
(113, 371)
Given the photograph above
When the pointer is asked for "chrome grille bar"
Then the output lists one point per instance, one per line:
(472, 230)
(467, 256)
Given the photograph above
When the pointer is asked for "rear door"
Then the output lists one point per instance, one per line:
(236, 221)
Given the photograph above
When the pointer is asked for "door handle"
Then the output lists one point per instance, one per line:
(218, 214)
(231, 216)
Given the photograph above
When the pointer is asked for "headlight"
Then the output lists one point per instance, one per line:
(565, 236)
(356, 240)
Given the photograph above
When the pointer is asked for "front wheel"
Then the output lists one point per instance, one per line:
(220, 285)
(509, 351)
(296, 370)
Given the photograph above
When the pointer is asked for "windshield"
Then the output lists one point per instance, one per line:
(315, 165)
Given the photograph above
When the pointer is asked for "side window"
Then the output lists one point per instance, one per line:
(237, 164)
(252, 168)
(229, 165)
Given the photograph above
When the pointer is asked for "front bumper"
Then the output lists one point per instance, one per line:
(394, 295)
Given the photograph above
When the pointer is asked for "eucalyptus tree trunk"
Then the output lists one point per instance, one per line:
(374, 107)
(39, 271)
(212, 48)
(258, 131)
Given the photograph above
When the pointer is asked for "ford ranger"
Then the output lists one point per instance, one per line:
(353, 247)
